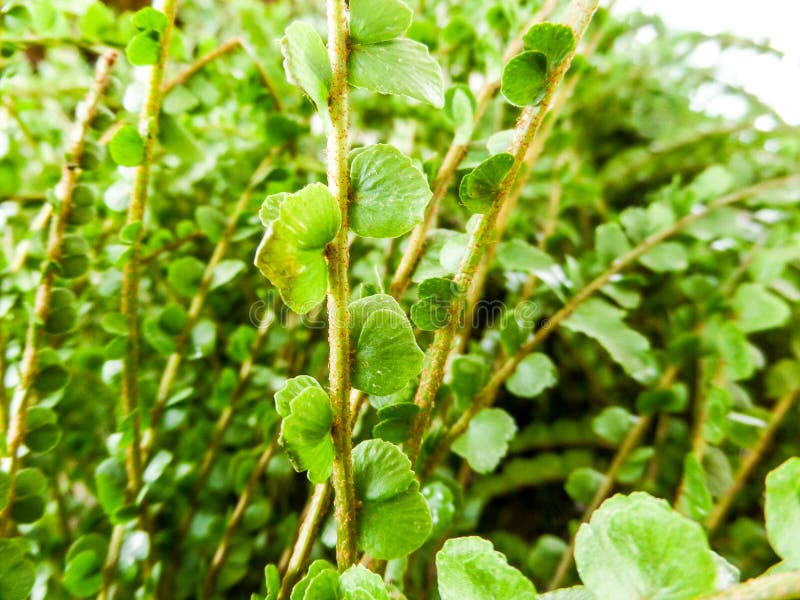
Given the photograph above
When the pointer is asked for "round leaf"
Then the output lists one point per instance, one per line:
(534, 374)
(372, 21)
(485, 442)
(524, 80)
(127, 146)
(554, 40)
(782, 511)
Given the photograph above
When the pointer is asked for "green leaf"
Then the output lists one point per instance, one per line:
(441, 504)
(524, 80)
(518, 255)
(782, 511)
(434, 309)
(402, 67)
(372, 22)
(42, 432)
(306, 63)
(83, 575)
(479, 188)
(386, 352)
(359, 583)
(306, 427)
(127, 146)
(610, 242)
(695, 501)
(388, 193)
(150, 19)
(576, 592)
(226, 271)
(758, 309)
(602, 322)
(735, 351)
(459, 106)
(582, 484)
(143, 49)
(111, 481)
(315, 569)
(485, 442)
(17, 573)
(553, 40)
(393, 518)
(211, 222)
(469, 568)
(5, 487)
(470, 374)
(50, 378)
(185, 274)
(665, 257)
(291, 254)
(613, 424)
(636, 546)
(671, 399)
(534, 374)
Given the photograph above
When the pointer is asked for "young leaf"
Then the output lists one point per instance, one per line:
(602, 322)
(402, 67)
(782, 511)
(307, 65)
(144, 48)
(610, 242)
(291, 254)
(470, 374)
(127, 146)
(389, 194)
(306, 427)
(485, 442)
(534, 374)
(372, 21)
(393, 518)
(696, 501)
(386, 353)
(469, 568)
(636, 546)
(480, 187)
(553, 40)
(524, 80)
(359, 583)
(613, 424)
(459, 106)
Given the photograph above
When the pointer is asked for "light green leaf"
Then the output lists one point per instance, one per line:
(111, 481)
(485, 442)
(554, 40)
(434, 309)
(665, 257)
(782, 511)
(534, 374)
(524, 80)
(307, 65)
(613, 424)
(127, 146)
(389, 194)
(393, 518)
(291, 390)
(402, 67)
(759, 309)
(306, 433)
(328, 579)
(291, 254)
(576, 592)
(480, 187)
(226, 271)
(469, 568)
(84, 564)
(359, 583)
(610, 242)
(144, 49)
(386, 353)
(372, 21)
(519, 255)
(149, 18)
(636, 547)
(441, 503)
(459, 108)
(734, 349)
(603, 322)
(470, 374)
(582, 484)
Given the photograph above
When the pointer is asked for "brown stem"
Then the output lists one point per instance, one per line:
(58, 224)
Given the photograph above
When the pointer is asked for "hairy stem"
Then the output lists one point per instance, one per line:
(338, 148)
(70, 171)
(484, 236)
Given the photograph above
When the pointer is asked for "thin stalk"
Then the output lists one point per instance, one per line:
(148, 124)
(236, 517)
(750, 461)
(781, 586)
(70, 171)
(487, 395)
(338, 148)
(453, 157)
(630, 442)
(198, 302)
(484, 236)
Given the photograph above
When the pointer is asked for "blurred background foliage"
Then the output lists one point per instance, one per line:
(629, 146)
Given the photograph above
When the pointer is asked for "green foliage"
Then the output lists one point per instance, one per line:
(479, 188)
(782, 511)
(485, 442)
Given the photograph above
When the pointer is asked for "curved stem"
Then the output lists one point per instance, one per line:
(486, 396)
(484, 235)
(338, 148)
(70, 171)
